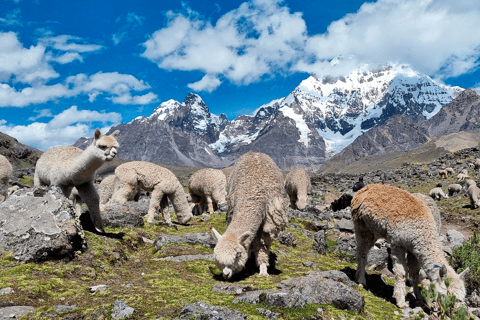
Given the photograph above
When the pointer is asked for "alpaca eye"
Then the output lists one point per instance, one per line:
(103, 147)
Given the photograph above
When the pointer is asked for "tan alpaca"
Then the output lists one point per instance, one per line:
(258, 214)
(5, 175)
(157, 180)
(208, 186)
(297, 185)
(443, 174)
(68, 167)
(107, 188)
(382, 211)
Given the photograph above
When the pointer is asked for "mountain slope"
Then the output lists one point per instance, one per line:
(317, 120)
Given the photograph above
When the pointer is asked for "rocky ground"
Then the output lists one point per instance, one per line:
(51, 269)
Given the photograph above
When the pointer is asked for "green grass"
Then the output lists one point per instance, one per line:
(159, 289)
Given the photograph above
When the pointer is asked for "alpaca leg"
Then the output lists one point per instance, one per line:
(414, 274)
(210, 205)
(89, 195)
(399, 265)
(155, 200)
(165, 211)
(365, 241)
(261, 248)
(293, 202)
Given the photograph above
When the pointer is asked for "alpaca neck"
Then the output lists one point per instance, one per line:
(86, 164)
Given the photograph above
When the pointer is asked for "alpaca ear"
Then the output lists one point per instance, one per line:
(115, 134)
(215, 233)
(443, 272)
(243, 238)
(97, 134)
(463, 273)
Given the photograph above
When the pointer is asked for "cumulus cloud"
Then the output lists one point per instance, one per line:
(64, 129)
(434, 37)
(32, 66)
(112, 85)
(208, 84)
(262, 38)
(257, 39)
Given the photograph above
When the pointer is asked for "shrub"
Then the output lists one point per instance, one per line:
(468, 255)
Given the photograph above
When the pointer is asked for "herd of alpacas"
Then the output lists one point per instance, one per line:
(253, 193)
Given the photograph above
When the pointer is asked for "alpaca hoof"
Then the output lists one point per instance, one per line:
(100, 230)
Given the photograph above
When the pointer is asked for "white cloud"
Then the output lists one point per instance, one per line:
(11, 18)
(70, 43)
(135, 19)
(434, 37)
(113, 85)
(263, 38)
(259, 38)
(67, 58)
(208, 84)
(44, 113)
(64, 129)
(118, 37)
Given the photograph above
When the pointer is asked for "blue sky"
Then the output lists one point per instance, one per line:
(68, 67)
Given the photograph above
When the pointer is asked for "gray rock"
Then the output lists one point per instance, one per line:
(39, 224)
(204, 239)
(321, 289)
(455, 238)
(121, 310)
(345, 225)
(252, 297)
(63, 308)
(346, 244)
(5, 291)
(15, 312)
(473, 300)
(320, 242)
(343, 214)
(476, 311)
(129, 214)
(269, 314)
(332, 287)
(98, 288)
(310, 213)
(285, 299)
(204, 311)
(187, 257)
(227, 288)
(288, 239)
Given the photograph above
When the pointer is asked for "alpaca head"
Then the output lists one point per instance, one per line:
(184, 216)
(105, 146)
(302, 202)
(457, 282)
(231, 252)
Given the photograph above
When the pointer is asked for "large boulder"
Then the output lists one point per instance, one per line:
(39, 224)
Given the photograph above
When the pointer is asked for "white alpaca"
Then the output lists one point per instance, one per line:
(208, 186)
(68, 167)
(5, 175)
(382, 211)
(258, 214)
(473, 192)
(160, 181)
(298, 185)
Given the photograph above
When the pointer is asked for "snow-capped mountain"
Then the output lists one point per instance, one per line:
(318, 119)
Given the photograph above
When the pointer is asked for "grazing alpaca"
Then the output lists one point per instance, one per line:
(297, 185)
(5, 174)
(382, 211)
(160, 182)
(258, 214)
(443, 174)
(209, 186)
(68, 167)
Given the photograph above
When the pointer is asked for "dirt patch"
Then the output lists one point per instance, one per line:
(465, 225)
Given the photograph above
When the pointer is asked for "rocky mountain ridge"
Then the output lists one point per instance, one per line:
(401, 133)
(318, 119)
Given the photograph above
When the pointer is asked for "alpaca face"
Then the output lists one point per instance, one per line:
(301, 202)
(230, 256)
(183, 218)
(106, 145)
